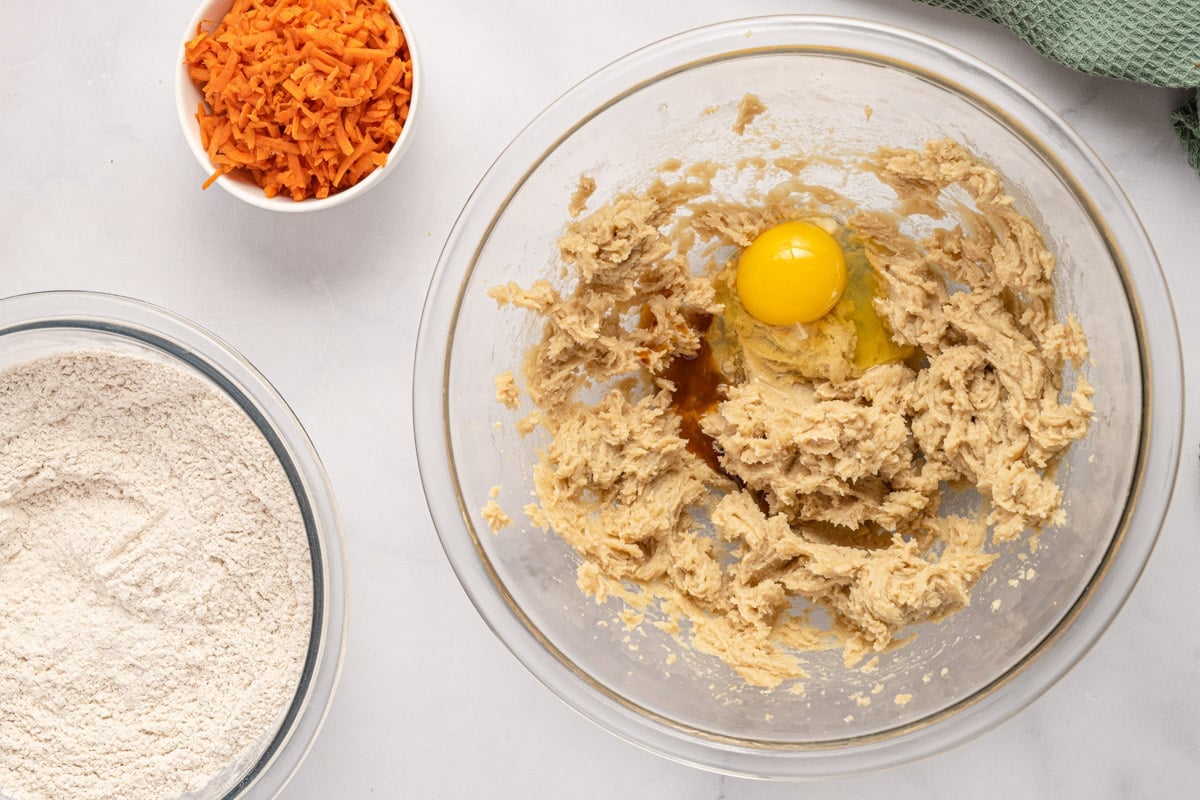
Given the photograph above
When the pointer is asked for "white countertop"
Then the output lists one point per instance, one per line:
(101, 193)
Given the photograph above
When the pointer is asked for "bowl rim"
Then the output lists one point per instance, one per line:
(187, 96)
(192, 347)
(1046, 134)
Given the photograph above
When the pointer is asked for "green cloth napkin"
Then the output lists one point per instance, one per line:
(1156, 42)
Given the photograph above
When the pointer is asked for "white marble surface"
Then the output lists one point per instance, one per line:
(99, 192)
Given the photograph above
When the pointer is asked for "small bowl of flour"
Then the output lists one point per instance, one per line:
(172, 586)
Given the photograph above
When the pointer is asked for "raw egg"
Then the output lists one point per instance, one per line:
(792, 272)
(874, 343)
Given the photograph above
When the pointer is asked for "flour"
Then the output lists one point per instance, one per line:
(155, 581)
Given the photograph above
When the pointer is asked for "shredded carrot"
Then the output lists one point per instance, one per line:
(306, 97)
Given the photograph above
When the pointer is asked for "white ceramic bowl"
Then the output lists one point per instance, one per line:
(188, 97)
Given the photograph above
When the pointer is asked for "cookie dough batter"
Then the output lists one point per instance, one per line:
(812, 481)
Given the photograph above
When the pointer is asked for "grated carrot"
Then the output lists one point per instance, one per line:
(306, 97)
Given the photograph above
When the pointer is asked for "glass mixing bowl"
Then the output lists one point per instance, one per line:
(45, 323)
(835, 86)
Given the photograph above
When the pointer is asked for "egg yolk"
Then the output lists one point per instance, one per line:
(793, 272)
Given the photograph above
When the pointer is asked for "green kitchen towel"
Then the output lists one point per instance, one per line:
(1156, 42)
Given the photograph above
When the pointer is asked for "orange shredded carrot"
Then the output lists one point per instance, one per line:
(307, 97)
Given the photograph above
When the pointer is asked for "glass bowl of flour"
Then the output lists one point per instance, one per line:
(172, 569)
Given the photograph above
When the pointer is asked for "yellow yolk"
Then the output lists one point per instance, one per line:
(793, 272)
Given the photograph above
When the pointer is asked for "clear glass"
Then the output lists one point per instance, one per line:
(816, 76)
(33, 325)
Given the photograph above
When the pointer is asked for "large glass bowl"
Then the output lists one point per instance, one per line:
(817, 77)
(45, 323)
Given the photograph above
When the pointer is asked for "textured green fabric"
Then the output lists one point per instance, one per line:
(1156, 42)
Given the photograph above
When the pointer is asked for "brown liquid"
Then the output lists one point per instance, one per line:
(697, 392)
